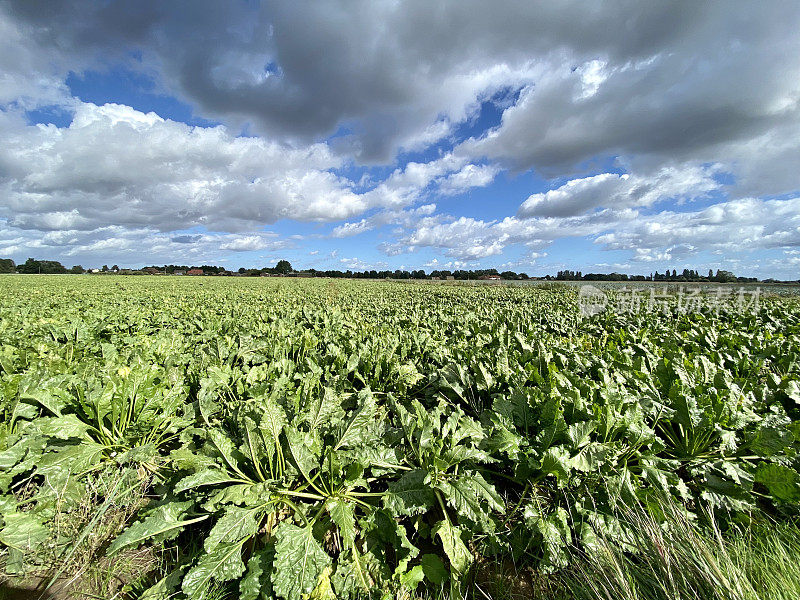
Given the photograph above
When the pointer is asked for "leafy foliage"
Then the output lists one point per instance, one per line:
(320, 439)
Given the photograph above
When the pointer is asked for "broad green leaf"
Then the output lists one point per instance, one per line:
(792, 389)
(23, 531)
(54, 403)
(256, 585)
(188, 460)
(241, 494)
(454, 547)
(164, 522)
(467, 495)
(8, 504)
(165, 588)
(235, 525)
(204, 478)
(434, 569)
(342, 515)
(409, 495)
(353, 430)
(299, 447)
(64, 427)
(299, 561)
(782, 482)
(323, 589)
(556, 461)
(323, 409)
(411, 579)
(226, 448)
(579, 433)
(74, 458)
(27, 446)
(273, 418)
(224, 564)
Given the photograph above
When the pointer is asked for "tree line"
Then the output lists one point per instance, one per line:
(687, 275)
(284, 268)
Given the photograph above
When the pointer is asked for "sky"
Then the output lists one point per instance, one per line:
(629, 136)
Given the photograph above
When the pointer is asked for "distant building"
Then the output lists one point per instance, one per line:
(490, 277)
(450, 278)
(194, 272)
(178, 273)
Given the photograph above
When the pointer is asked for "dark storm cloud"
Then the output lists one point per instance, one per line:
(186, 239)
(679, 76)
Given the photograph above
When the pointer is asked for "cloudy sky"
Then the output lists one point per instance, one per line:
(597, 136)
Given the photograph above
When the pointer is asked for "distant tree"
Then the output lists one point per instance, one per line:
(41, 266)
(115, 268)
(7, 265)
(711, 274)
(212, 269)
(283, 267)
(104, 268)
(77, 269)
(30, 266)
(724, 277)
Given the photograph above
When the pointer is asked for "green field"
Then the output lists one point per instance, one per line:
(280, 438)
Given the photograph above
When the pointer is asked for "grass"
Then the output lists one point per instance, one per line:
(680, 560)
(73, 561)
(669, 559)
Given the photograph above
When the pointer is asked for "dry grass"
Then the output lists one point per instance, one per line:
(72, 562)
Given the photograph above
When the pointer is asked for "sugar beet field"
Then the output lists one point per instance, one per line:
(168, 437)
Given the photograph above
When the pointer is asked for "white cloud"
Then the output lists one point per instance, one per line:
(350, 229)
(703, 96)
(356, 264)
(745, 224)
(115, 165)
(405, 186)
(678, 183)
(470, 176)
(737, 226)
(403, 217)
(130, 247)
(246, 243)
(462, 238)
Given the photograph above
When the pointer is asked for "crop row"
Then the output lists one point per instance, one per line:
(339, 438)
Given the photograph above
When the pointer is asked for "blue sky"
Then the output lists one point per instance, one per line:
(633, 138)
